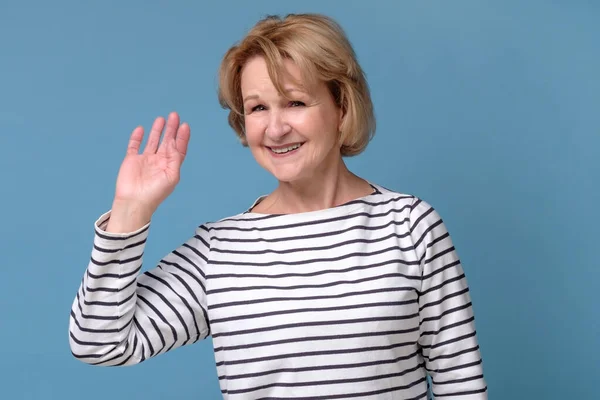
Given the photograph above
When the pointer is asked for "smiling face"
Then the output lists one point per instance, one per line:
(296, 138)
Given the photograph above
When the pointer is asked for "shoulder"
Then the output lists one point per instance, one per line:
(424, 224)
(418, 210)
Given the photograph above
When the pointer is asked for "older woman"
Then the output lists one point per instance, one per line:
(329, 287)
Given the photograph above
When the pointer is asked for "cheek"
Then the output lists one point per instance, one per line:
(298, 117)
(254, 132)
(305, 125)
(313, 125)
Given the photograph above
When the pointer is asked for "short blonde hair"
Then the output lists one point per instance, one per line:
(319, 47)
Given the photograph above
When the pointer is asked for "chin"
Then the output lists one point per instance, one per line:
(285, 177)
(288, 175)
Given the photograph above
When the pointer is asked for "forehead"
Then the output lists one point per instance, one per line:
(255, 75)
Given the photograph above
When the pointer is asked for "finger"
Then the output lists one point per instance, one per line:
(135, 140)
(154, 137)
(182, 139)
(172, 125)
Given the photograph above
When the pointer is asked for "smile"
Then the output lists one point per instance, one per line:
(285, 149)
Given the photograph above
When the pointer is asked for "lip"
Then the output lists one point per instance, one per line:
(289, 153)
(284, 145)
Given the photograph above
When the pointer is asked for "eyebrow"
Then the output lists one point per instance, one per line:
(255, 96)
(252, 96)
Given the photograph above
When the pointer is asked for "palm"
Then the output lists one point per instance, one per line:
(150, 177)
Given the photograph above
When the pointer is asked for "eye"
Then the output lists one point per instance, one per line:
(259, 107)
(296, 104)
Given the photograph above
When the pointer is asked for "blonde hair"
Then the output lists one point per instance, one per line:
(320, 48)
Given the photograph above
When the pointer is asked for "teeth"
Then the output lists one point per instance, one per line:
(286, 149)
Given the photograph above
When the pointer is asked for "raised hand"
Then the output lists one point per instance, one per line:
(146, 179)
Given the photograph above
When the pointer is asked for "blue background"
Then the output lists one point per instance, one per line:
(487, 110)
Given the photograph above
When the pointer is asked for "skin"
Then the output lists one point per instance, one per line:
(146, 179)
(313, 177)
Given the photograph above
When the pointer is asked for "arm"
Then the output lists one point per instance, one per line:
(122, 317)
(447, 329)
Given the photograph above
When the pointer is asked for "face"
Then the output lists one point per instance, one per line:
(295, 138)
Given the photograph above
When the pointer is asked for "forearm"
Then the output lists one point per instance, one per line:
(449, 340)
(102, 329)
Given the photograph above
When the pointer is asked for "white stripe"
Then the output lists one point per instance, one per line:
(348, 278)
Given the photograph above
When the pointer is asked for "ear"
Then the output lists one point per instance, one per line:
(341, 115)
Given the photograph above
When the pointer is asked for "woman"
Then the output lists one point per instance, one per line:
(329, 287)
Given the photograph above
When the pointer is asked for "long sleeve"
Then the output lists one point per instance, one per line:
(447, 329)
(121, 316)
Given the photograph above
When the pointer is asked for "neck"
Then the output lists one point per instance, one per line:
(327, 188)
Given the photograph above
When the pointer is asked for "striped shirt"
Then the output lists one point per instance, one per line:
(363, 300)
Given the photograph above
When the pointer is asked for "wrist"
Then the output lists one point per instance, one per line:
(128, 217)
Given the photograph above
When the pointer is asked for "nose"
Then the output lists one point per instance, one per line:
(277, 127)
